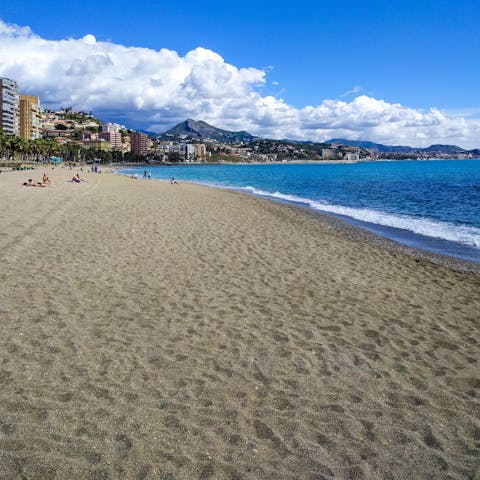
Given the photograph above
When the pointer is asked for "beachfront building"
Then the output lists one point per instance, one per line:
(188, 151)
(111, 133)
(30, 117)
(329, 154)
(163, 148)
(9, 106)
(139, 144)
(200, 151)
(126, 145)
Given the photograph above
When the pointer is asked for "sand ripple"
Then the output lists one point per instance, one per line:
(179, 332)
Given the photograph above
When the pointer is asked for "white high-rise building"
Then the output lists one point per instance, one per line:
(9, 106)
(111, 127)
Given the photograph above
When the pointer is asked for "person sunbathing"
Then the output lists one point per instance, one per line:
(77, 179)
(46, 180)
(31, 183)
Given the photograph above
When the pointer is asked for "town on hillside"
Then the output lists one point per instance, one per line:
(29, 133)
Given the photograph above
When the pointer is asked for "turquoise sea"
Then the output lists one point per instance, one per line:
(433, 205)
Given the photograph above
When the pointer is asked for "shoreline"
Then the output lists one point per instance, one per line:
(355, 232)
(349, 227)
(296, 162)
(152, 330)
(342, 224)
(377, 240)
(380, 232)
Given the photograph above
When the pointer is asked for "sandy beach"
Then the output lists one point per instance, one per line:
(157, 331)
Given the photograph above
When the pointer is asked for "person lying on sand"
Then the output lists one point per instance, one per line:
(76, 179)
(31, 183)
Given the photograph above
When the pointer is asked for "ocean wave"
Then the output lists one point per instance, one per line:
(455, 233)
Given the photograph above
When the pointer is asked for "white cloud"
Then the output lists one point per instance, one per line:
(151, 89)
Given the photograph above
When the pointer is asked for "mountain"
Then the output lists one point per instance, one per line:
(444, 149)
(147, 132)
(370, 145)
(202, 130)
(450, 149)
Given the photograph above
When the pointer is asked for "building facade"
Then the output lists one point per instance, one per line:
(115, 139)
(30, 117)
(139, 144)
(111, 133)
(9, 106)
(329, 154)
(189, 151)
(200, 151)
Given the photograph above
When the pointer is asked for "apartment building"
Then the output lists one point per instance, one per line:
(190, 152)
(111, 133)
(139, 144)
(30, 117)
(200, 151)
(329, 154)
(9, 106)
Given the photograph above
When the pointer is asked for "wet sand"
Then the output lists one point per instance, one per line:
(157, 331)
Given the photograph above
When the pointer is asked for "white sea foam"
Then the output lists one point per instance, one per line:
(455, 233)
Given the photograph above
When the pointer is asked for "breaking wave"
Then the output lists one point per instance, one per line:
(455, 233)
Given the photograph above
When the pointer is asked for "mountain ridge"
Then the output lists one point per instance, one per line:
(396, 148)
(202, 130)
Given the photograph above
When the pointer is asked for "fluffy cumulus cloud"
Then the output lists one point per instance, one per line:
(153, 90)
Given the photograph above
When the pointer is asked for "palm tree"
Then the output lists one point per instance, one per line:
(6, 145)
(3, 145)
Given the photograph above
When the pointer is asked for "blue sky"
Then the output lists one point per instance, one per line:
(421, 54)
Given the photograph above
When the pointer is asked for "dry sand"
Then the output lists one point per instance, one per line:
(160, 331)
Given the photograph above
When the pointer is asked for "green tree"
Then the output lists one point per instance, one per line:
(175, 157)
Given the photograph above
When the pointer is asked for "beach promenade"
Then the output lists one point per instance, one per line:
(157, 331)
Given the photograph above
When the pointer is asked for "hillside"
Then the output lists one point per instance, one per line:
(370, 145)
(448, 149)
(200, 130)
